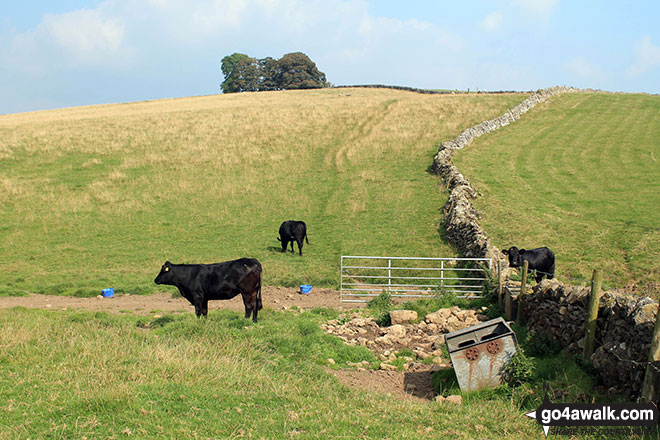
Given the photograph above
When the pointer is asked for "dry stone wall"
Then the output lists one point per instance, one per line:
(416, 90)
(623, 335)
(625, 323)
(459, 214)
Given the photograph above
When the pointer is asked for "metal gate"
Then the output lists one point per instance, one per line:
(363, 278)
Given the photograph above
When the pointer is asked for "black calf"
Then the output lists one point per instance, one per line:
(542, 260)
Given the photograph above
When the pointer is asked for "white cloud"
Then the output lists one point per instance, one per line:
(580, 66)
(121, 30)
(647, 57)
(492, 22)
(539, 8)
(81, 38)
(84, 33)
(161, 48)
(419, 33)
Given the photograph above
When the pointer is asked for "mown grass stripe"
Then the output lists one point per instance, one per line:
(576, 175)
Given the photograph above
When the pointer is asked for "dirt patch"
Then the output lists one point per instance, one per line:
(414, 385)
(277, 298)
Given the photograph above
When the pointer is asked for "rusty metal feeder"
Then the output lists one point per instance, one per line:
(479, 353)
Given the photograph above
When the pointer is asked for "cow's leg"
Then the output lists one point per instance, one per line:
(284, 244)
(300, 244)
(254, 313)
(254, 302)
(258, 305)
(539, 276)
(247, 303)
(201, 306)
(551, 272)
(292, 245)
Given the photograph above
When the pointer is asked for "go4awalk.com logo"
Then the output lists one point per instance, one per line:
(613, 416)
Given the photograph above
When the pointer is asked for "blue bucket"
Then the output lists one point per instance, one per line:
(108, 293)
(305, 288)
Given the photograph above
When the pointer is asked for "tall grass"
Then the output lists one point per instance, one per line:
(95, 197)
(581, 175)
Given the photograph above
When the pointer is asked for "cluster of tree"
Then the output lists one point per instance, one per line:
(292, 71)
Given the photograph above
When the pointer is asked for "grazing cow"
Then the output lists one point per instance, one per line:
(542, 260)
(199, 283)
(291, 231)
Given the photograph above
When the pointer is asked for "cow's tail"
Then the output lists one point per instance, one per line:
(307, 240)
(259, 303)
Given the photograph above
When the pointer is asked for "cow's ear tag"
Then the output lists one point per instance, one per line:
(166, 269)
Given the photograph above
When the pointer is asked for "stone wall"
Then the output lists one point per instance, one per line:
(416, 90)
(625, 322)
(459, 214)
(623, 336)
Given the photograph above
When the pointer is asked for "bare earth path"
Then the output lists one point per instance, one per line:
(273, 297)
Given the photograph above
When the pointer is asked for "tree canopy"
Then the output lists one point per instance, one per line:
(293, 71)
(229, 65)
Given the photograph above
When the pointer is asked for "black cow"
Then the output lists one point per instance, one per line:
(291, 231)
(199, 283)
(542, 260)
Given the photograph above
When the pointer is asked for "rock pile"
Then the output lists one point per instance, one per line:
(425, 339)
(623, 334)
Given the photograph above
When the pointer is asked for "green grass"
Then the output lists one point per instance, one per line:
(97, 375)
(97, 197)
(581, 175)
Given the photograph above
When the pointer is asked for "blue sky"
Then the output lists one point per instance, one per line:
(74, 52)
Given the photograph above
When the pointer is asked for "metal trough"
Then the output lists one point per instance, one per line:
(479, 353)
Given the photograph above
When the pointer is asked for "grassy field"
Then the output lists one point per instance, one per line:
(96, 375)
(581, 175)
(101, 196)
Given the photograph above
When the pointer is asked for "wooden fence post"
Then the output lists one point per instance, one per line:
(592, 316)
(523, 287)
(649, 392)
(508, 304)
(499, 284)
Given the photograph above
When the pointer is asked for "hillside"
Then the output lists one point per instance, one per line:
(579, 174)
(101, 196)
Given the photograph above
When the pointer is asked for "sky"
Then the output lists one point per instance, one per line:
(67, 53)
